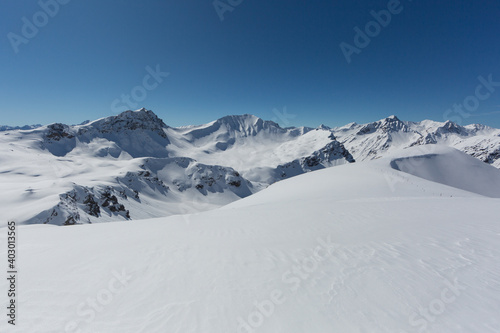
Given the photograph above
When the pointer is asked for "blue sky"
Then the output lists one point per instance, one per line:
(263, 56)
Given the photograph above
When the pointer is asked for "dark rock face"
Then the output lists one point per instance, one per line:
(236, 183)
(486, 153)
(58, 131)
(85, 200)
(92, 207)
(318, 160)
(492, 157)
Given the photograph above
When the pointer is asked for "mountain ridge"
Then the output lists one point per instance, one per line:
(133, 165)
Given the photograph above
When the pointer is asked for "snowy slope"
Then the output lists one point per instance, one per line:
(101, 171)
(355, 248)
(246, 142)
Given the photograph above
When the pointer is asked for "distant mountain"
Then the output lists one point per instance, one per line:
(11, 128)
(376, 139)
(134, 166)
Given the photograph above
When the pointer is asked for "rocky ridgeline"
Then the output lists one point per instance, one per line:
(85, 204)
(127, 121)
(332, 154)
(375, 139)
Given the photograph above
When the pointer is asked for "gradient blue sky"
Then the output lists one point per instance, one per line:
(264, 55)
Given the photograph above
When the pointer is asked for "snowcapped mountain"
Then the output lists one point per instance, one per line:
(376, 139)
(131, 133)
(401, 243)
(11, 128)
(134, 166)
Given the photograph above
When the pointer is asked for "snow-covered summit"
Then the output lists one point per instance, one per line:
(230, 128)
(102, 170)
(141, 119)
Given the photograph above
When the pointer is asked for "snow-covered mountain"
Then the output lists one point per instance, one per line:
(403, 243)
(11, 128)
(135, 166)
(376, 139)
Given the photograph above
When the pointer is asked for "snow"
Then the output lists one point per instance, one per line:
(246, 142)
(52, 174)
(441, 166)
(358, 247)
(49, 172)
(387, 135)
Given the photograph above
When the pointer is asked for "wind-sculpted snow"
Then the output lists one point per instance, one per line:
(450, 167)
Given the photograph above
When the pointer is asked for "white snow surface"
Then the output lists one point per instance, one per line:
(360, 247)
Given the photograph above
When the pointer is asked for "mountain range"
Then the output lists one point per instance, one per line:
(134, 166)
(404, 243)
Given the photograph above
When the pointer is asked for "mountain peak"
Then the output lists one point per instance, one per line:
(131, 120)
(247, 124)
(390, 119)
(452, 127)
(386, 125)
(141, 114)
(246, 118)
(392, 124)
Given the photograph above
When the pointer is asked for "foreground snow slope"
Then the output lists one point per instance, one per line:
(355, 248)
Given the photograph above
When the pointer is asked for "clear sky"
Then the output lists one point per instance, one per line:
(81, 59)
